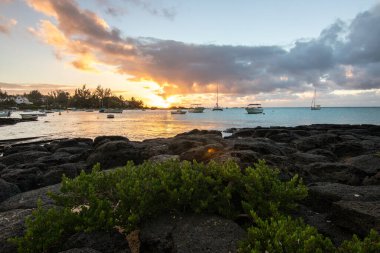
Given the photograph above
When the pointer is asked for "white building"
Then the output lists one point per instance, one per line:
(22, 100)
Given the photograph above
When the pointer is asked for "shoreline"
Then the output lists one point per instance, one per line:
(340, 164)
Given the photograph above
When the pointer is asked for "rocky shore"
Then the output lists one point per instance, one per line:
(340, 164)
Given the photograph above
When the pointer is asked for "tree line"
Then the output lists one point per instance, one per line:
(82, 98)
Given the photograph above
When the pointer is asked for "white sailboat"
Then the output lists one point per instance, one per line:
(217, 108)
(313, 105)
(254, 109)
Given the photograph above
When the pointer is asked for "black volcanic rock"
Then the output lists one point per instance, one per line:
(28, 200)
(23, 157)
(106, 138)
(190, 233)
(115, 153)
(357, 216)
(370, 164)
(11, 225)
(105, 242)
(7, 190)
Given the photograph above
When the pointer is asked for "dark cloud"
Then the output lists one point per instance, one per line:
(344, 56)
(148, 6)
(13, 88)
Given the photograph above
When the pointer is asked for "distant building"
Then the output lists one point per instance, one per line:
(22, 100)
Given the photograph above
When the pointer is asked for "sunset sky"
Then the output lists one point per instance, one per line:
(175, 52)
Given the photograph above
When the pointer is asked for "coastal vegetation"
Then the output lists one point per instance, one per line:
(82, 97)
(123, 198)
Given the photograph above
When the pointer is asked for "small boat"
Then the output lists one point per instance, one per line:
(29, 116)
(110, 116)
(254, 109)
(110, 110)
(196, 108)
(49, 111)
(178, 112)
(115, 110)
(89, 110)
(313, 105)
(217, 107)
(5, 113)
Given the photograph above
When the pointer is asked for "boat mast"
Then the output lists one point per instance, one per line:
(217, 95)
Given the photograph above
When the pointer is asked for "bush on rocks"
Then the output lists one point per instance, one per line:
(126, 196)
(120, 200)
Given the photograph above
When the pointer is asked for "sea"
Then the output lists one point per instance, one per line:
(140, 125)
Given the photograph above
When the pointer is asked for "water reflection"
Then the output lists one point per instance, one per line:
(140, 125)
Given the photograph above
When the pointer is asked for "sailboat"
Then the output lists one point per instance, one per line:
(313, 105)
(217, 108)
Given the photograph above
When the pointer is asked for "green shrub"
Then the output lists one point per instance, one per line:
(370, 244)
(45, 229)
(126, 196)
(266, 194)
(283, 234)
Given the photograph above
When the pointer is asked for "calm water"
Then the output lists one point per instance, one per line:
(140, 125)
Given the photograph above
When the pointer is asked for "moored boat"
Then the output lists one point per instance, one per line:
(196, 108)
(313, 105)
(110, 110)
(178, 112)
(254, 109)
(217, 107)
(110, 116)
(5, 113)
(29, 116)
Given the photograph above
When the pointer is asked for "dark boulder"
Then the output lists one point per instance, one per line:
(105, 242)
(178, 146)
(201, 132)
(347, 149)
(324, 224)
(25, 178)
(248, 157)
(261, 146)
(23, 157)
(155, 147)
(56, 158)
(323, 152)
(7, 190)
(357, 216)
(54, 174)
(106, 138)
(75, 142)
(316, 141)
(190, 233)
(73, 150)
(333, 172)
(11, 225)
(23, 148)
(2, 167)
(372, 180)
(370, 164)
(115, 153)
(307, 158)
(28, 200)
(202, 153)
(322, 195)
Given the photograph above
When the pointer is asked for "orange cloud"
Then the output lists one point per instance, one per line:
(42, 6)
(6, 25)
